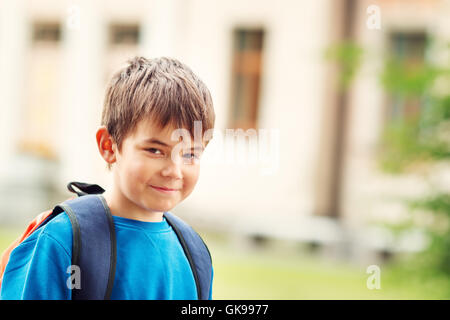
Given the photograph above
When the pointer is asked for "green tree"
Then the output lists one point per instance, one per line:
(414, 142)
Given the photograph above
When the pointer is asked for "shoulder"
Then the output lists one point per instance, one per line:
(52, 239)
(57, 231)
(58, 225)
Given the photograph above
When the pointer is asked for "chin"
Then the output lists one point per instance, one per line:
(161, 208)
(159, 204)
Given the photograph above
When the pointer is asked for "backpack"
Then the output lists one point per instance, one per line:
(94, 243)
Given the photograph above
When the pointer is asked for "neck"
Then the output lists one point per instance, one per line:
(123, 207)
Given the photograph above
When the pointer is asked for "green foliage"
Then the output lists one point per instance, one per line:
(408, 79)
(399, 146)
(423, 137)
(417, 142)
(348, 57)
(412, 142)
(438, 253)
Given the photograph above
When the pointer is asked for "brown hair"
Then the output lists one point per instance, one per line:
(163, 89)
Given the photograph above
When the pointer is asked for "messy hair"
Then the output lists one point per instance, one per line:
(162, 89)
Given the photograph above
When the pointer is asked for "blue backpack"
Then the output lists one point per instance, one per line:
(94, 244)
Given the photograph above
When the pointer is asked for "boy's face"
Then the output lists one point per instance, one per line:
(145, 168)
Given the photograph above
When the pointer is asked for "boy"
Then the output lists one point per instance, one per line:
(147, 104)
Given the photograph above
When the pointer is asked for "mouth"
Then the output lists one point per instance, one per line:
(164, 190)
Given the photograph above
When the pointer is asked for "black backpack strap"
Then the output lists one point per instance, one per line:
(84, 188)
(93, 247)
(196, 252)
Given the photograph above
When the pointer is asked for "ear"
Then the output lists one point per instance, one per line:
(106, 145)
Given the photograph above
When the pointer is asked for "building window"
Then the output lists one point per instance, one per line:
(46, 32)
(246, 77)
(41, 91)
(407, 55)
(123, 44)
(124, 34)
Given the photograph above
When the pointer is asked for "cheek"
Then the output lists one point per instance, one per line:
(136, 172)
(190, 179)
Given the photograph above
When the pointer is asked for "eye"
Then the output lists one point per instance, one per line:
(153, 150)
(191, 156)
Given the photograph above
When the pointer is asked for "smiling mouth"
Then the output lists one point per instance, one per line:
(164, 190)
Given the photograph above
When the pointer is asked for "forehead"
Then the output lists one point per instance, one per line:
(148, 131)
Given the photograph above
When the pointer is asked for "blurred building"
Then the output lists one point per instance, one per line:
(314, 177)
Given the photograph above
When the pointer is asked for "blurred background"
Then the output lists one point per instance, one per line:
(347, 103)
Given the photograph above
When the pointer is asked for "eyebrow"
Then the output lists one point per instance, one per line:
(156, 141)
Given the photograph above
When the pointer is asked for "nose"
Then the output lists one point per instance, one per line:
(172, 168)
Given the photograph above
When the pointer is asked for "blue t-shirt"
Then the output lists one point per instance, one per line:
(151, 264)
